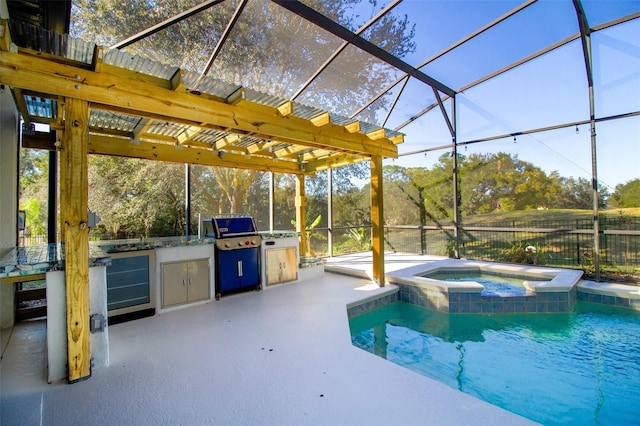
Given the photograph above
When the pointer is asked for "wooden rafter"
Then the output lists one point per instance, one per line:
(262, 147)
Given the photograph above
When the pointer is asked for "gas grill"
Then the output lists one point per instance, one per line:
(237, 254)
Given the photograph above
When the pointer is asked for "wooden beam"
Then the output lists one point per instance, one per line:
(98, 58)
(177, 82)
(119, 147)
(23, 278)
(377, 221)
(321, 120)
(318, 153)
(74, 205)
(261, 146)
(332, 162)
(377, 134)
(140, 128)
(353, 127)
(290, 151)
(126, 91)
(39, 140)
(18, 96)
(285, 109)
(226, 141)
(238, 96)
(5, 36)
(301, 214)
(188, 135)
(397, 139)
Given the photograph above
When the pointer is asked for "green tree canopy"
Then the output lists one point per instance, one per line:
(626, 195)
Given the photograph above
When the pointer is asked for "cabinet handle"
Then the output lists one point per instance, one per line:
(239, 268)
(189, 281)
(183, 283)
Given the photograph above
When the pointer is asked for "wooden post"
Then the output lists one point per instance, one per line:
(377, 220)
(301, 214)
(74, 189)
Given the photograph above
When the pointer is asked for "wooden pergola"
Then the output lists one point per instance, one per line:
(230, 131)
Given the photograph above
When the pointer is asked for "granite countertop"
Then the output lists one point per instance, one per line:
(41, 258)
(137, 244)
(278, 234)
(38, 259)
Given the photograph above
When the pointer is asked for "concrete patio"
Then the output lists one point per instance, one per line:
(279, 356)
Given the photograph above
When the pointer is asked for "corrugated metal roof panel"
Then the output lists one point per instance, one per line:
(306, 111)
(248, 141)
(139, 64)
(210, 136)
(263, 98)
(342, 120)
(43, 40)
(209, 85)
(171, 130)
(113, 121)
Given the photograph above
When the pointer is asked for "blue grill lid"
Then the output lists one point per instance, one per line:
(230, 226)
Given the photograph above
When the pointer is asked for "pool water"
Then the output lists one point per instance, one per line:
(581, 367)
(494, 285)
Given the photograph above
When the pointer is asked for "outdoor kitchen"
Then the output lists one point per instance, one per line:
(135, 278)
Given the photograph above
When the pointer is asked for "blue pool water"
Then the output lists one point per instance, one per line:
(581, 367)
(494, 285)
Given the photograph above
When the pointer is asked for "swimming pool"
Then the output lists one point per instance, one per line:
(581, 367)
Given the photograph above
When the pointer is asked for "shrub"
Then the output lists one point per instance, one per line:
(522, 252)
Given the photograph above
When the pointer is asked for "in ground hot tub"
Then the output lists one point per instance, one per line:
(493, 283)
(532, 288)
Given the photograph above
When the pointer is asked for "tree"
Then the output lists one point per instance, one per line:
(488, 183)
(137, 197)
(235, 184)
(626, 194)
(34, 189)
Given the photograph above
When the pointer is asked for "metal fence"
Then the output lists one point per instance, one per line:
(556, 243)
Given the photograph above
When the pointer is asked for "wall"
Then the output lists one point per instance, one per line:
(8, 194)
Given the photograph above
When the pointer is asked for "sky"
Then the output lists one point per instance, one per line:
(547, 91)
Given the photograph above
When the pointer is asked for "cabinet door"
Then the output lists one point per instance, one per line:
(248, 267)
(227, 271)
(174, 283)
(282, 265)
(198, 280)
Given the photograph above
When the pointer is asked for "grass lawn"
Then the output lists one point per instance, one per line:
(549, 215)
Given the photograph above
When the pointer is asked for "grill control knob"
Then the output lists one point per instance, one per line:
(226, 245)
(246, 243)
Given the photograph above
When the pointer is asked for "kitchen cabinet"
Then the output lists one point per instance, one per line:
(185, 282)
(281, 265)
